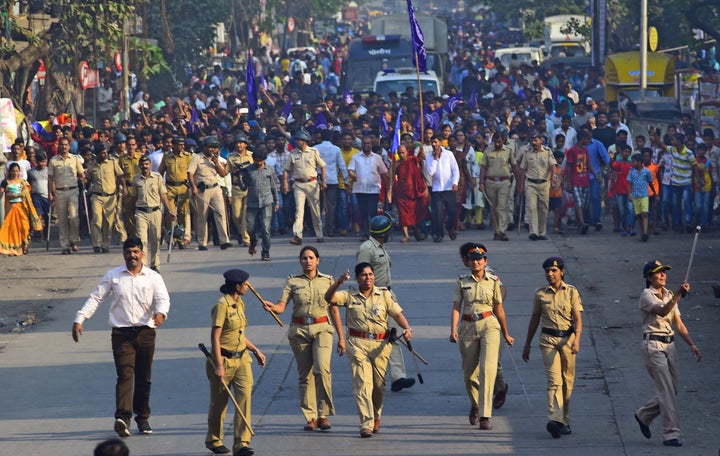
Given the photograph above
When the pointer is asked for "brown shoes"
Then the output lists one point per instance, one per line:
(485, 424)
(474, 417)
(376, 427)
(311, 425)
(366, 433)
(500, 398)
(296, 241)
(323, 423)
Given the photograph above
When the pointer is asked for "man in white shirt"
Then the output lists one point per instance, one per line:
(443, 169)
(367, 172)
(334, 167)
(139, 304)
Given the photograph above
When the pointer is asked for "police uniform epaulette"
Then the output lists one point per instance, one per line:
(381, 288)
(461, 276)
(328, 276)
(491, 276)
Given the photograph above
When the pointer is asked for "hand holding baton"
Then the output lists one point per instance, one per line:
(262, 301)
(49, 221)
(394, 337)
(692, 252)
(203, 349)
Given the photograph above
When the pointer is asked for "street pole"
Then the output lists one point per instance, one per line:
(643, 48)
(126, 71)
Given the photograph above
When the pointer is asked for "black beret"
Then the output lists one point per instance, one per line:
(236, 275)
(554, 262)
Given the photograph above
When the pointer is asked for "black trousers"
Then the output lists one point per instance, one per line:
(133, 350)
(438, 200)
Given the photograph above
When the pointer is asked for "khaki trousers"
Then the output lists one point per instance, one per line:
(102, 209)
(479, 343)
(66, 206)
(181, 194)
(239, 377)
(119, 224)
(661, 362)
(397, 361)
(498, 193)
(312, 346)
(128, 210)
(211, 198)
(149, 228)
(537, 197)
(238, 205)
(559, 365)
(310, 192)
(368, 364)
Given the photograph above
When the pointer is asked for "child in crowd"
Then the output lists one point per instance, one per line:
(577, 177)
(653, 188)
(621, 168)
(702, 186)
(556, 192)
(638, 179)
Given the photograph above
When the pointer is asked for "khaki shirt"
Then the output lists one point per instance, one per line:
(175, 167)
(537, 164)
(230, 316)
(130, 165)
(556, 308)
(304, 165)
(373, 252)
(203, 169)
(478, 296)
(148, 190)
(237, 162)
(308, 295)
(103, 176)
(368, 314)
(498, 162)
(653, 323)
(65, 171)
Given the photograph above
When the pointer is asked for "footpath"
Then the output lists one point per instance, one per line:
(57, 397)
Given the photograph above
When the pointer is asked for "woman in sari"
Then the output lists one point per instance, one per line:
(20, 215)
(407, 190)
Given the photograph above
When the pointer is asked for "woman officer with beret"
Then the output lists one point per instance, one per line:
(559, 307)
(230, 364)
(659, 310)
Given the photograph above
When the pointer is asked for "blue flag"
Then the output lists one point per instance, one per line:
(383, 125)
(452, 102)
(251, 87)
(321, 122)
(347, 96)
(473, 100)
(418, 39)
(396, 134)
(287, 109)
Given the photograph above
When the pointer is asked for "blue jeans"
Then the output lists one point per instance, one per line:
(342, 209)
(703, 207)
(627, 212)
(681, 195)
(665, 212)
(592, 210)
(258, 221)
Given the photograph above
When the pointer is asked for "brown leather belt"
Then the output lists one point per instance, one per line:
(477, 317)
(147, 210)
(366, 335)
(309, 320)
(302, 181)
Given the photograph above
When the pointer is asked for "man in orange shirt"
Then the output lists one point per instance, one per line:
(653, 187)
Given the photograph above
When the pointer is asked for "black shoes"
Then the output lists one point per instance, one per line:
(500, 396)
(554, 428)
(225, 246)
(644, 428)
(402, 383)
(565, 430)
(244, 451)
(533, 237)
(122, 428)
(144, 427)
(202, 247)
(265, 256)
(222, 449)
(366, 433)
(672, 443)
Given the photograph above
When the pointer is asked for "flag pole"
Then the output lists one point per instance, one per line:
(420, 96)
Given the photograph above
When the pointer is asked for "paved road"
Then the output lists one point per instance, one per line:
(56, 397)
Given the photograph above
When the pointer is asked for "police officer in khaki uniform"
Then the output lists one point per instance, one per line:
(536, 164)
(203, 174)
(174, 167)
(476, 321)
(231, 365)
(129, 163)
(105, 178)
(373, 251)
(303, 164)
(310, 337)
(366, 316)
(559, 308)
(498, 162)
(659, 310)
(150, 192)
(64, 172)
(240, 159)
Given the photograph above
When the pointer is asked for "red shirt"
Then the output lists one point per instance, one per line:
(576, 160)
(622, 169)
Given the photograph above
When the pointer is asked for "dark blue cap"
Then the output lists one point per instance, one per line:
(554, 262)
(236, 275)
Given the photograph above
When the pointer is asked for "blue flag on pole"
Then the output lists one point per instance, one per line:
(396, 134)
(251, 87)
(418, 39)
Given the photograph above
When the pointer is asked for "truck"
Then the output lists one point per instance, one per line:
(559, 44)
(434, 28)
(371, 54)
(398, 79)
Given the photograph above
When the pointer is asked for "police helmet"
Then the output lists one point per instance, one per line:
(380, 225)
(302, 135)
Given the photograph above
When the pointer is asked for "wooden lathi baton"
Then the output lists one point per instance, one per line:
(262, 301)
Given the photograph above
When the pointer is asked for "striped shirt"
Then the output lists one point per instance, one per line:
(682, 166)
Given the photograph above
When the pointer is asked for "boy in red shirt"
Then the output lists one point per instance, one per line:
(577, 177)
(621, 168)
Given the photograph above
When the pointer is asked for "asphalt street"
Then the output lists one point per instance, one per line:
(57, 397)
